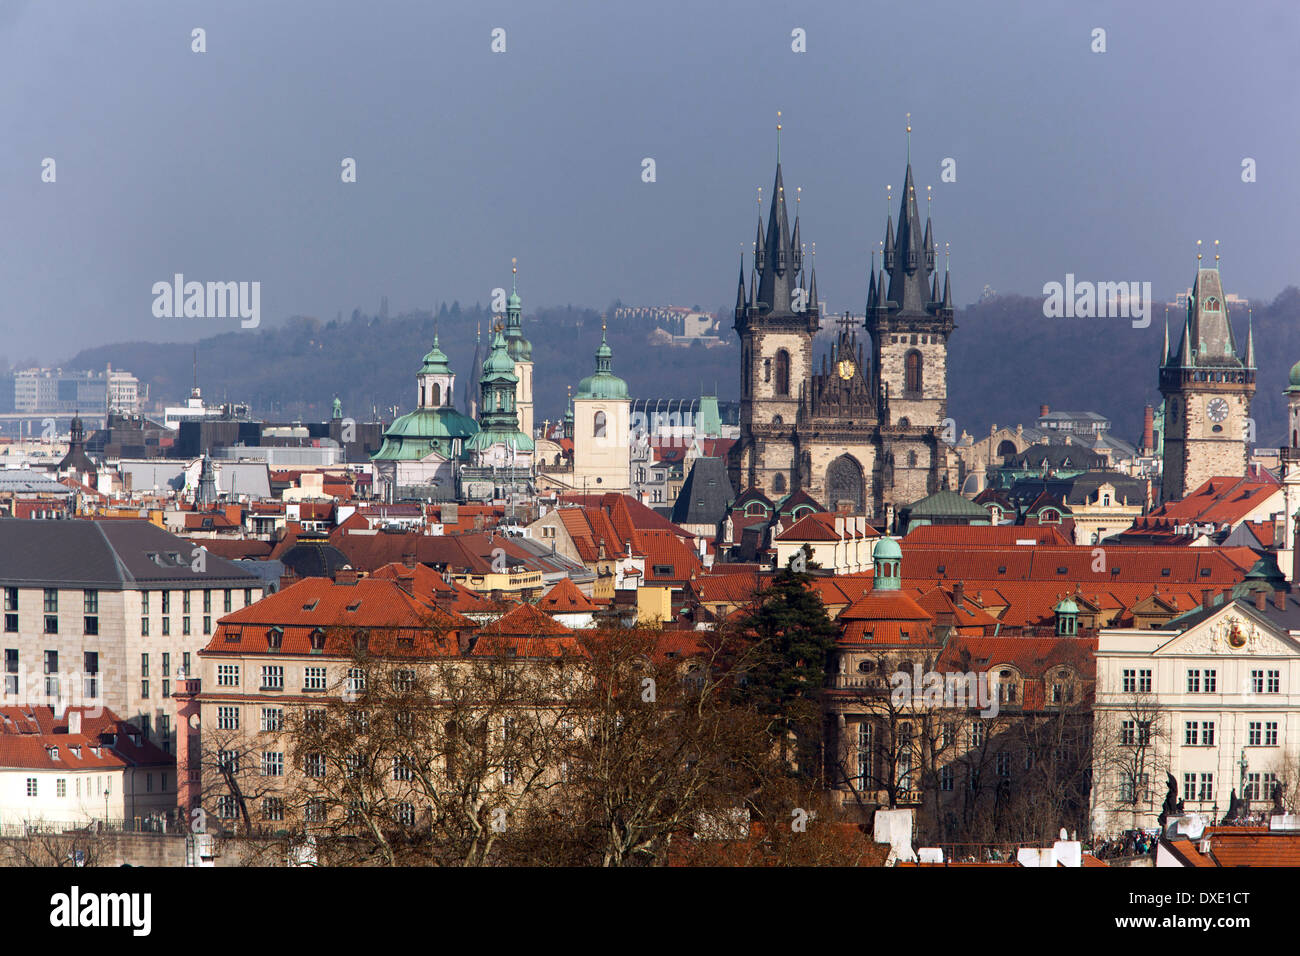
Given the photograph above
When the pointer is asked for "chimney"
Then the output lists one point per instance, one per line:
(1227, 595)
(1043, 410)
(408, 559)
(958, 593)
(1279, 599)
(1207, 594)
(1148, 429)
(346, 575)
(1261, 600)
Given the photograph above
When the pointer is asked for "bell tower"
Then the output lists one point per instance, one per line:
(1207, 385)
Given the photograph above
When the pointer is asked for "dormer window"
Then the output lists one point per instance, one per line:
(317, 639)
(361, 641)
(54, 753)
(275, 638)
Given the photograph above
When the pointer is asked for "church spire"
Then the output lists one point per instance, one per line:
(740, 288)
(1250, 338)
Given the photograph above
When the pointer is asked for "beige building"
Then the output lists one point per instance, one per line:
(602, 436)
(109, 614)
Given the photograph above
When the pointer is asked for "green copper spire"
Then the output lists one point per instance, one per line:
(520, 349)
(604, 384)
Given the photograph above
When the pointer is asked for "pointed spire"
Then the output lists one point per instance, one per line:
(740, 288)
(1250, 336)
(812, 289)
(928, 244)
(947, 289)
(1186, 357)
(760, 252)
(1164, 354)
(887, 261)
(871, 290)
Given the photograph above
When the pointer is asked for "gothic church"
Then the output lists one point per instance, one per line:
(857, 433)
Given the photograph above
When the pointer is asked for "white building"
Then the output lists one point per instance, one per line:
(1214, 702)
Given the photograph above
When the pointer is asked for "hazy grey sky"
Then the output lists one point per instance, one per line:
(225, 165)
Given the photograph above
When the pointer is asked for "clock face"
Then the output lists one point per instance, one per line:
(1217, 410)
(845, 369)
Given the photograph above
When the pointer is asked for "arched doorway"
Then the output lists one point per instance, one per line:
(844, 483)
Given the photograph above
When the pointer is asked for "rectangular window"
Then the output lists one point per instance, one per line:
(1207, 733)
(1252, 787)
(185, 602)
(1270, 733)
(248, 596)
(1257, 682)
(1193, 682)
(11, 671)
(226, 807)
(945, 779)
(90, 674)
(314, 811)
(166, 664)
(356, 680)
(1191, 734)
(1210, 681)
(313, 765)
(207, 602)
(11, 623)
(228, 760)
(273, 808)
(144, 688)
(401, 768)
(1003, 764)
(167, 626)
(1255, 734)
(185, 626)
(1144, 681)
(977, 732)
(185, 663)
(31, 786)
(144, 627)
(51, 624)
(313, 678)
(227, 675)
(272, 719)
(144, 665)
(272, 764)
(91, 601)
(166, 602)
(11, 599)
(207, 624)
(229, 603)
(51, 600)
(61, 787)
(227, 718)
(51, 673)
(1207, 787)
(1274, 682)
(144, 602)
(273, 677)
(1130, 681)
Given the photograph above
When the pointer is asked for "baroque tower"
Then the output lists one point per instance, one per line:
(521, 352)
(1207, 385)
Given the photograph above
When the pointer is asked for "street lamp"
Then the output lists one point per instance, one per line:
(106, 808)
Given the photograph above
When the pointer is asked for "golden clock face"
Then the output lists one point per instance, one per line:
(845, 369)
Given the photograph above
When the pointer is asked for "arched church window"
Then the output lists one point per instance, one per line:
(912, 371)
(783, 372)
(599, 425)
(767, 370)
(911, 459)
(435, 395)
(778, 484)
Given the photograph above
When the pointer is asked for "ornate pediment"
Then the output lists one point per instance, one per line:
(1232, 632)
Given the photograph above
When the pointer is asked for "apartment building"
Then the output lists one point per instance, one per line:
(109, 614)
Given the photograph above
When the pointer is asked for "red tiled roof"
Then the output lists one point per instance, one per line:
(1000, 535)
(565, 598)
(525, 620)
(27, 734)
(1222, 500)
(820, 526)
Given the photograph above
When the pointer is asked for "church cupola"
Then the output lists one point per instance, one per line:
(887, 557)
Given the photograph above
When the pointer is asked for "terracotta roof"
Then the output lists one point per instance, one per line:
(525, 620)
(820, 526)
(565, 598)
(28, 734)
(1000, 535)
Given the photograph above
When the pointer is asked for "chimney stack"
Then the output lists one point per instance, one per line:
(1279, 599)
(1148, 429)
(958, 593)
(1043, 410)
(408, 559)
(1207, 594)
(1261, 600)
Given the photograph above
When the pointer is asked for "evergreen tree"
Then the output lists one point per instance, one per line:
(795, 637)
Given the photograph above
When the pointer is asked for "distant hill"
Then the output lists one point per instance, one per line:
(1006, 359)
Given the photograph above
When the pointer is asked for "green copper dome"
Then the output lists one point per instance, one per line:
(887, 549)
(436, 361)
(499, 363)
(414, 435)
(604, 384)
(1295, 378)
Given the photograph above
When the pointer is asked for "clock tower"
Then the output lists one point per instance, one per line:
(1207, 386)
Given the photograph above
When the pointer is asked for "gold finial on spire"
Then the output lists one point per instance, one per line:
(1198, 253)
(1216, 252)
(514, 264)
(928, 197)
(798, 195)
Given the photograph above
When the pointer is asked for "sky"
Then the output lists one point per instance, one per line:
(225, 165)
